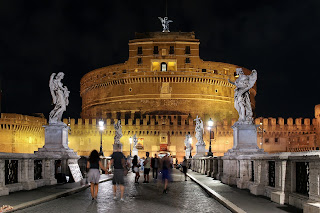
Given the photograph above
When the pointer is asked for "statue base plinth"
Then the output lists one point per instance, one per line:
(135, 152)
(244, 140)
(201, 150)
(56, 146)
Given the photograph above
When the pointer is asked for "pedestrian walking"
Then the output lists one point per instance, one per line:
(184, 167)
(147, 166)
(165, 170)
(135, 168)
(119, 164)
(93, 165)
(155, 163)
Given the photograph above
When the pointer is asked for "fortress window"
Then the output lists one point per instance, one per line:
(204, 70)
(163, 67)
(139, 61)
(188, 61)
(124, 71)
(276, 140)
(171, 51)
(215, 71)
(139, 50)
(266, 140)
(187, 50)
(155, 50)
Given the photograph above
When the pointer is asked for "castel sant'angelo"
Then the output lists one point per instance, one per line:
(157, 93)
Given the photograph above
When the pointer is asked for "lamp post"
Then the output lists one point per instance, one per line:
(130, 140)
(190, 141)
(210, 125)
(101, 128)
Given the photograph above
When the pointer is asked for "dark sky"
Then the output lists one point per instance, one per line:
(278, 38)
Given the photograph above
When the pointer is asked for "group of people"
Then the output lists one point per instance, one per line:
(163, 166)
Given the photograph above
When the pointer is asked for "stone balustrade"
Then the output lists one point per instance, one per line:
(286, 178)
(25, 172)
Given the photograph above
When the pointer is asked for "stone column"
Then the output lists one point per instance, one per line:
(27, 174)
(3, 189)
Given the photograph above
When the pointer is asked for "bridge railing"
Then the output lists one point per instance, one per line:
(291, 178)
(25, 172)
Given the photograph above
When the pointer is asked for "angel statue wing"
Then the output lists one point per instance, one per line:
(252, 78)
(52, 87)
(201, 125)
(161, 19)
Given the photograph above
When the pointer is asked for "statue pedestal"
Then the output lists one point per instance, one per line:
(188, 150)
(56, 146)
(244, 140)
(117, 146)
(134, 152)
(201, 150)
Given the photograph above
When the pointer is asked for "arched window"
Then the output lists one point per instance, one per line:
(163, 67)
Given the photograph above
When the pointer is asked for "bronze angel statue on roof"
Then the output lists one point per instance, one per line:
(242, 101)
(60, 97)
(165, 24)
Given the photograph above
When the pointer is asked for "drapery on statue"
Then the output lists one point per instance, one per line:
(165, 24)
(135, 141)
(187, 141)
(60, 95)
(118, 128)
(242, 101)
(199, 131)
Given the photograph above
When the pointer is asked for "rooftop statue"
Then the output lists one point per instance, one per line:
(187, 142)
(199, 131)
(118, 128)
(242, 101)
(165, 24)
(60, 95)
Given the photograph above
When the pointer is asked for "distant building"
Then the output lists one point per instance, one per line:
(157, 94)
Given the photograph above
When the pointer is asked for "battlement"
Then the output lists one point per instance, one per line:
(12, 121)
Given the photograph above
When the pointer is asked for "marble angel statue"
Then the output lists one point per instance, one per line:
(165, 24)
(199, 131)
(187, 142)
(242, 101)
(135, 141)
(60, 97)
(118, 128)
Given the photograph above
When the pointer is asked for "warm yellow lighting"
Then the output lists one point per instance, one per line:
(210, 123)
(136, 70)
(155, 66)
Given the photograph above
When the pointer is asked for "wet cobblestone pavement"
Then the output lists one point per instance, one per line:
(183, 196)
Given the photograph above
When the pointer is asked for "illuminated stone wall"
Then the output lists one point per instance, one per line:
(25, 134)
(21, 133)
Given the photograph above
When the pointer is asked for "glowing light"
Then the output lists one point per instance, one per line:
(210, 123)
(130, 139)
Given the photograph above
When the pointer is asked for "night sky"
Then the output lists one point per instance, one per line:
(278, 38)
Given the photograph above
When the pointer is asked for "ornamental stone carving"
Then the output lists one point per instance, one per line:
(242, 101)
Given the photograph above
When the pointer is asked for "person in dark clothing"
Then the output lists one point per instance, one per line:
(135, 168)
(119, 164)
(165, 169)
(155, 163)
(93, 165)
(184, 167)
(61, 177)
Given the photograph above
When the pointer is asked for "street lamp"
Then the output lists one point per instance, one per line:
(210, 125)
(130, 140)
(101, 128)
(190, 141)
